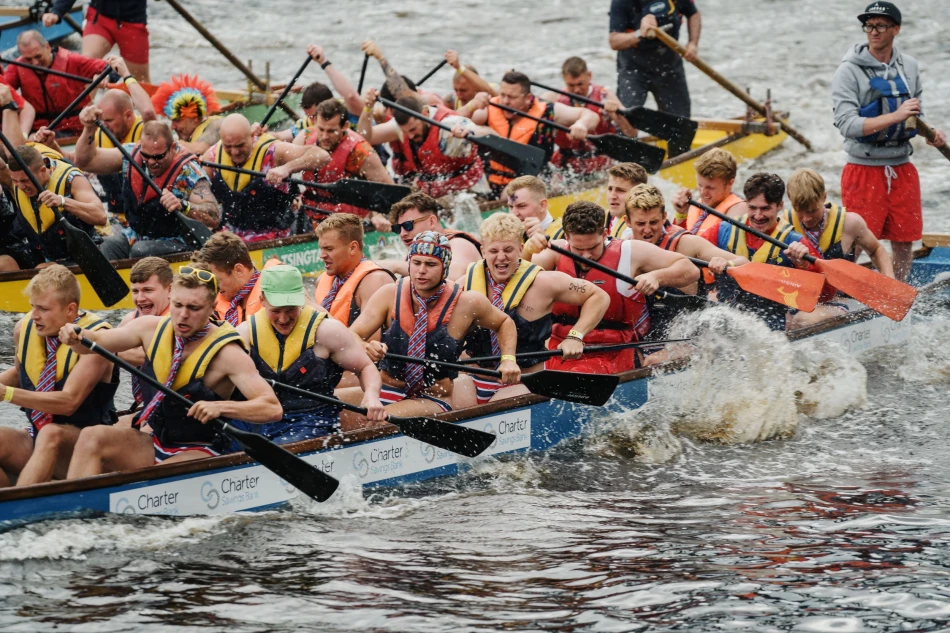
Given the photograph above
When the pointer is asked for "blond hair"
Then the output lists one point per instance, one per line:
(805, 188)
(717, 163)
(645, 198)
(532, 183)
(501, 227)
(57, 278)
(347, 225)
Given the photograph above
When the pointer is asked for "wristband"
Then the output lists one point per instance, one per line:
(129, 80)
(8, 395)
(461, 69)
(325, 64)
(10, 106)
(575, 334)
(62, 201)
(367, 110)
(186, 208)
(504, 357)
(681, 216)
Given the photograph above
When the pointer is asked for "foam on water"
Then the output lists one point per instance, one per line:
(828, 381)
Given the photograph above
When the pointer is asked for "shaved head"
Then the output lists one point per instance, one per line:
(236, 138)
(235, 126)
(116, 99)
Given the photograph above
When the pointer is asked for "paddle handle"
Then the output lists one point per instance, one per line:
(253, 172)
(330, 400)
(413, 113)
(928, 133)
(548, 122)
(285, 92)
(593, 264)
(49, 71)
(710, 72)
(82, 95)
(441, 363)
(432, 72)
(125, 154)
(359, 86)
(759, 234)
(569, 95)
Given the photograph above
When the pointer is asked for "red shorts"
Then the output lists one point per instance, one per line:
(132, 37)
(894, 215)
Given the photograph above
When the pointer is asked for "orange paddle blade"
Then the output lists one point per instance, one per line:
(798, 289)
(882, 294)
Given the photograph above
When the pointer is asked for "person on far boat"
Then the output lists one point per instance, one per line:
(350, 157)
(515, 92)
(66, 189)
(306, 348)
(191, 105)
(60, 392)
(254, 207)
(202, 360)
(580, 156)
(621, 178)
(834, 232)
(627, 319)
(466, 84)
(426, 316)
(715, 177)
(109, 23)
(153, 228)
(645, 65)
(418, 213)
(237, 279)
(527, 294)
(17, 114)
(877, 98)
(528, 201)
(51, 94)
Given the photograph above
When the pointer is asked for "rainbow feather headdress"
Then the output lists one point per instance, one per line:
(185, 96)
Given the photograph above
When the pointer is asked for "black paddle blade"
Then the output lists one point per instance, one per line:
(592, 389)
(628, 150)
(102, 275)
(193, 231)
(526, 160)
(445, 435)
(376, 196)
(678, 131)
(305, 477)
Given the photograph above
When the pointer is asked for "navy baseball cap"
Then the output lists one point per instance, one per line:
(883, 10)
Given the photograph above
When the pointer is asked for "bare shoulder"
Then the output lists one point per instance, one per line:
(854, 223)
(129, 316)
(331, 328)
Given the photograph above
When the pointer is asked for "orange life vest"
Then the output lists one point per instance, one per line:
(710, 220)
(344, 308)
(522, 130)
(252, 303)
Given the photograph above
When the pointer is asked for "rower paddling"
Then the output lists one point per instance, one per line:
(715, 176)
(237, 280)
(190, 104)
(621, 178)
(528, 201)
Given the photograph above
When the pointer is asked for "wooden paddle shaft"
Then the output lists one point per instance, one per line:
(728, 85)
(746, 228)
(928, 133)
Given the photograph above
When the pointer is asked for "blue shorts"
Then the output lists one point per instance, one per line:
(295, 427)
(391, 395)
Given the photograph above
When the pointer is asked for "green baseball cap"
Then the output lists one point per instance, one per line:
(283, 286)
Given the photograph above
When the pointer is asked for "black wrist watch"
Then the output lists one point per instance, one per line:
(10, 106)
(325, 64)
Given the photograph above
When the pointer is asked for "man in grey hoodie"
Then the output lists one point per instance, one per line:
(876, 92)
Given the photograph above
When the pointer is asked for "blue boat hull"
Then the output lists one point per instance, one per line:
(52, 34)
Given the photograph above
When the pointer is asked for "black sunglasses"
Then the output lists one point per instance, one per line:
(407, 225)
(155, 156)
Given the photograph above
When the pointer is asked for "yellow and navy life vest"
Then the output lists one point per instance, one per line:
(46, 151)
(619, 226)
(829, 243)
(201, 128)
(132, 136)
(735, 242)
(98, 407)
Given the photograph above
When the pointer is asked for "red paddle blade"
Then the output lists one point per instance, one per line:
(798, 289)
(882, 294)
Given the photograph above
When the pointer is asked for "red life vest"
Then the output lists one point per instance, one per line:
(452, 234)
(53, 94)
(332, 172)
(627, 319)
(605, 126)
(140, 204)
(433, 172)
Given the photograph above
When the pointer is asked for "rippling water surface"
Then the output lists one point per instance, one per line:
(719, 506)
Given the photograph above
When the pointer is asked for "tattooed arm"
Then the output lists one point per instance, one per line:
(204, 206)
(210, 136)
(397, 85)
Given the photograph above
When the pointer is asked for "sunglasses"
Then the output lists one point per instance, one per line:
(204, 276)
(407, 225)
(154, 156)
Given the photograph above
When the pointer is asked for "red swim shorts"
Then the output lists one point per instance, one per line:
(132, 37)
(893, 213)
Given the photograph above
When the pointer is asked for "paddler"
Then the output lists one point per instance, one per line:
(527, 294)
(51, 94)
(307, 348)
(200, 359)
(579, 156)
(397, 85)
(877, 99)
(236, 277)
(153, 229)
(627, 319)
(528, 201)
(66, 189)
(191, 105)
(621, 178)
(60, 392)
(418, 213)
(350, 157)
(431, 159)
(515, 92)
(425, 316)
(253, 207)
(715, 177)
(466, 83)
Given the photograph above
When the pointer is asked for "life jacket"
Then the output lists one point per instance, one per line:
(47, 151)
(615, 226)
(627, 318)
(290, 360)
(333, 171)
(139, 203)
(344, 308)
(555, 230)
(671, 238)
(468, 237)
(521, 130)
(733, 239)
(439, 343)
(580, 155)
(532, 335)
(169, 422)
(249, 203)
(692, 217)
(98, 407)
(426, 167)
(47, 239)
(889, 95)
(112, 183)
(200, 129)
(52, 94)
(252, 302)
(133, 379)
(829, 243)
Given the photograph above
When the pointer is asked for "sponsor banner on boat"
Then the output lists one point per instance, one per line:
(306, 257)
(860, 337)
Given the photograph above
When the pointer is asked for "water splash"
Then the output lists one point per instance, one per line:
(829, 382)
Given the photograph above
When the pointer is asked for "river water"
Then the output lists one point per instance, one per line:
(651, 521)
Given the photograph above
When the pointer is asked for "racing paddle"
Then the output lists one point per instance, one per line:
(50, 71)
(592, 389)
(797, 289)
(445, 435)
(432, 72)
(620, 148)
(307, 478)
(102, 275)
(284, 92)
(592, 349)
(524, 159)
(928, 133)
(882, 294)
(193, 231)
(359, 86)
(82, 95)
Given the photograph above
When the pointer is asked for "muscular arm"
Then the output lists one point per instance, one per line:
(296, 158)
(204, 206)
(864, 239)
(568, 115)
(138, 333)
(463, 254)
(261, 404)
(142, 101)
(387, 132)
(622, 123)
(695, 246)
(374, 170)
(348, 354)
(96, 160)
(694, 24)
(80, 383)
(351, 98)
(397, 85)
(669, 269)
(371, 283)
(27, 116)
(373, 313)
(136, 355)
(546, 258)
(579, 292)
(84, 203)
